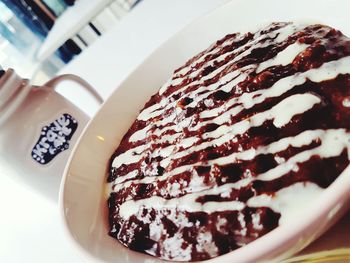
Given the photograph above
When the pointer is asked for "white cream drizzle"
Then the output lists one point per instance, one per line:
(287, 200)
(288, 108)
(283, 58)
(184, 203)
(327, 137)
(139, 135)
(185, 70)
(326, 71)
(332, 144)
(346, 102)
(131, 156)
(151, 112)
(281, 114)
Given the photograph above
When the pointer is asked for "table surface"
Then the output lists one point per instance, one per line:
(29, 224)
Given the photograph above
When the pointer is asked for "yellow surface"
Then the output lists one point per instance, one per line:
(341, 255)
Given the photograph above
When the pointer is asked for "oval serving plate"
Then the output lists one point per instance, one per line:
(82, 198)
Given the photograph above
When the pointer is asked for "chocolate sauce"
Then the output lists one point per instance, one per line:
(256, 114)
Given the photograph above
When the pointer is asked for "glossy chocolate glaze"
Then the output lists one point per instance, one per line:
(212, 171)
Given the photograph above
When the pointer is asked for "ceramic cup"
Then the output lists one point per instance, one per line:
(38, 128)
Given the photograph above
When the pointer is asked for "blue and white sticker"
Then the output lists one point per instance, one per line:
(54, 138)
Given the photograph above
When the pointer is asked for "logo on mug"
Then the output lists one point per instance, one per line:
(54, 139)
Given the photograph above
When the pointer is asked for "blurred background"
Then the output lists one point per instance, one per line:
(38, 37)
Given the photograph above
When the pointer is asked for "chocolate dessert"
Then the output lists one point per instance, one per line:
(242, 136)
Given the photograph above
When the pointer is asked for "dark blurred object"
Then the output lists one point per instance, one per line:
(69, 2)
(37, 16)
(57, 7)
(31, 15)
(135, 3)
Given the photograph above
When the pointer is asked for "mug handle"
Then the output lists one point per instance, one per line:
(52, 83)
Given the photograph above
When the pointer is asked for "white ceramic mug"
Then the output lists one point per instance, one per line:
(38, 128)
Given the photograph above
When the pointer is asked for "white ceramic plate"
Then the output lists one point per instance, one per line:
(82, 198)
